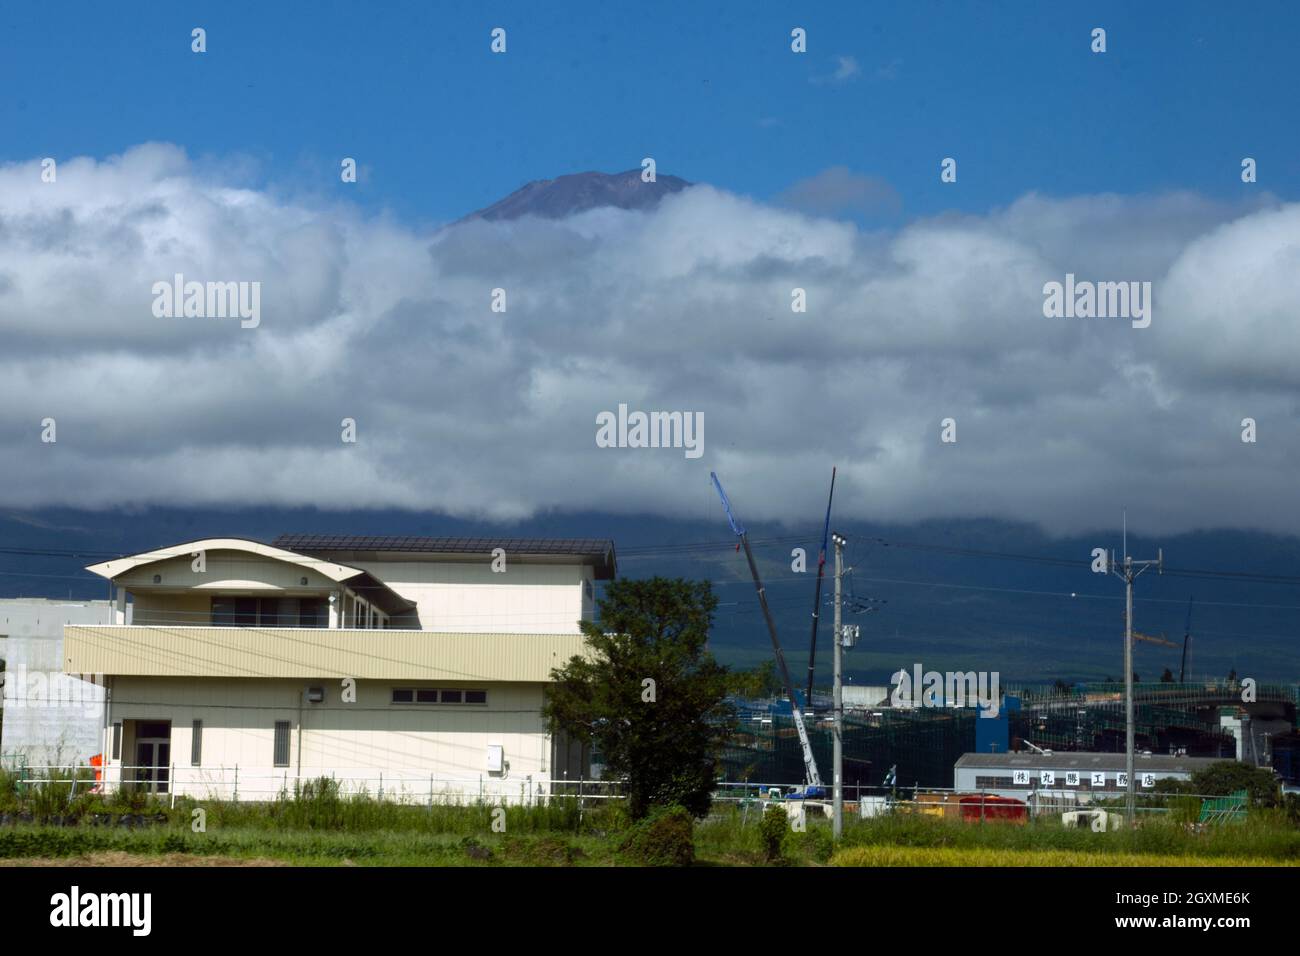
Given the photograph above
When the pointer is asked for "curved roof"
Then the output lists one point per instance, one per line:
(119, 566)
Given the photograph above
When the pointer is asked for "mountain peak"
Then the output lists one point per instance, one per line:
(578, 192)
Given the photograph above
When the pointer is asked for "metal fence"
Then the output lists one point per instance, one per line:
(417, 787)
(236, 783)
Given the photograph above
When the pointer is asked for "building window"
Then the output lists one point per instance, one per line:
(232, 611)
(282, 743)
(117, 741)
(429, 695)
(196, 744)
(313, 612)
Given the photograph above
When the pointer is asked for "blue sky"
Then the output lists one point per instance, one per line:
(441, 126)
(1121, 166)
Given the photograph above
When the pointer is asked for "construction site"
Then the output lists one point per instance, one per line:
(961, 738)
(922, 745)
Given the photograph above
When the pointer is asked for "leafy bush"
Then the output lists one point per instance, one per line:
(315, 805)
(1184, 809)
(816, 842)
(772, 830)
(1228, 776)
(1291, 809)
(666, 837)
(8, 791)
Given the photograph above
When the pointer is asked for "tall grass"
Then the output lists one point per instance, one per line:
(1264, 834)
(57, 794)
(302, 847)
(8, 790)
(876, 856)
(318, 822)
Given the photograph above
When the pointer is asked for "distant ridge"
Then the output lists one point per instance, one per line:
(578, 192)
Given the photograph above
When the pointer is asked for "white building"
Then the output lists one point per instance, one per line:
(1074, 776)
(48, 717)
(411, 665)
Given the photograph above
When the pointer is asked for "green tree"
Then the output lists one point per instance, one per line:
(1228, 776)
(648, 693)
(761, 681)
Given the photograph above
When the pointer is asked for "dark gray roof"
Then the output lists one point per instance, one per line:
(1081, 760)
(598, 552)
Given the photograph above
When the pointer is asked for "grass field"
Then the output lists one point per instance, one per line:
(932, 856)
(318, 827)
(726, 839)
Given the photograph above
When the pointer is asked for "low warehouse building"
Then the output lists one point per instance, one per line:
(1075, 776)
(47, 717)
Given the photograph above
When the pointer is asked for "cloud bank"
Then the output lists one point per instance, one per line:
(688, 307)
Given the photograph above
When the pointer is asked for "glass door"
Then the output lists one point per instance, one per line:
(153, 755)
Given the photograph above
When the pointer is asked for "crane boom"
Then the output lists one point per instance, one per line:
(1187, 637)
(811, 775)
(1153, 640)
(817, 594)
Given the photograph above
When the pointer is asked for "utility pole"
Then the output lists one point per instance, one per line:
(1131, 570)
(837, 799)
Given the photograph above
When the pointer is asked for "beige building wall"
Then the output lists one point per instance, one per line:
(191, 608)
(418, 748)
(316, 653)
(463, 596)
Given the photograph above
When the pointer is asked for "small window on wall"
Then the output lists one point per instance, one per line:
(196, 745)
(282, 743)
(117, 741)
(429, 695)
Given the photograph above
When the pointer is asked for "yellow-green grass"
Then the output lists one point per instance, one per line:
(964, 856)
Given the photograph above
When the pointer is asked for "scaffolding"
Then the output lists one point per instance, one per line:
(1168, 717)
(922, 745)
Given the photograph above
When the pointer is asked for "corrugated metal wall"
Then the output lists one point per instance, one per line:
(307, 652)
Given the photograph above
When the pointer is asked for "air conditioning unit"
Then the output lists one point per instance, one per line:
(315, 695)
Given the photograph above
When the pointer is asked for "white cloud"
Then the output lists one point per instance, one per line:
(685, 308)
(846, 68)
